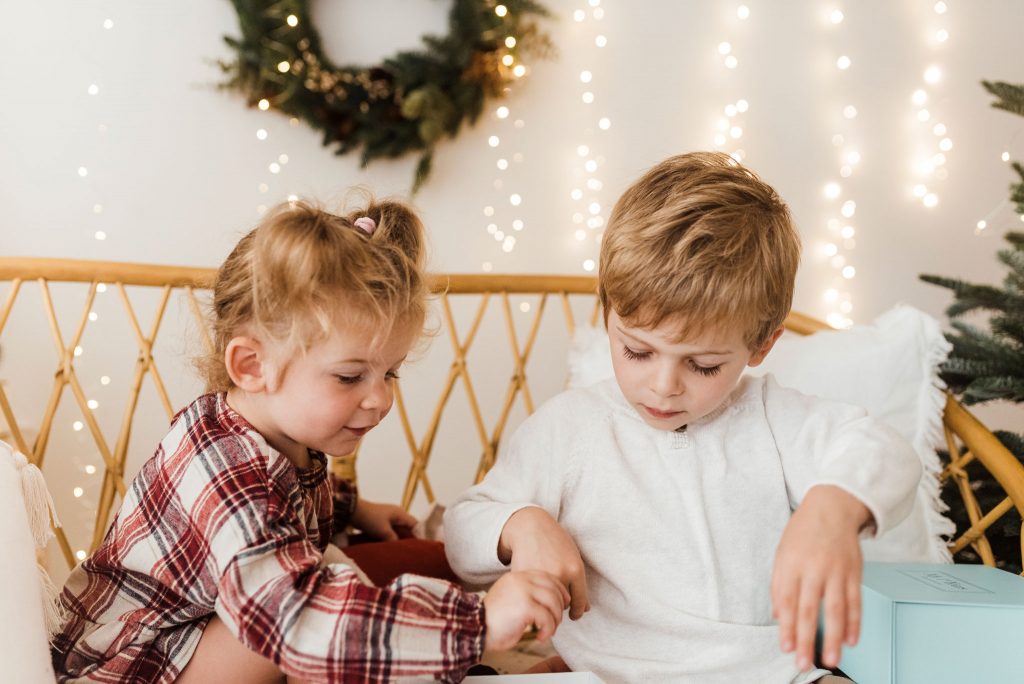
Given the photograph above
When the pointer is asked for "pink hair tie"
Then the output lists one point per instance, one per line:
(366, 224)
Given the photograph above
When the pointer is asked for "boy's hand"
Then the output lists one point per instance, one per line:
(386, 522)
(518, 601)
(533, 540)
(819, 562)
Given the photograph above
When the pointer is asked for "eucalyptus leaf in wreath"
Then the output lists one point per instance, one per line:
(409, 102)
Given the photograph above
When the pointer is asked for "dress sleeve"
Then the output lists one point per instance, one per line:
(531, 472)
(827, 442)
(320, 622)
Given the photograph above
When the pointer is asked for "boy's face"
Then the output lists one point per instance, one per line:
(672, 384)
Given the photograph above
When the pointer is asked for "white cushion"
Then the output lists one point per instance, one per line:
(888, 367)
(24, 649)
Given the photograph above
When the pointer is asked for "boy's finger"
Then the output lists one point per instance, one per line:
(852, 612)
(784, 609)
(835, 623)
(578, 598)
(807, 623)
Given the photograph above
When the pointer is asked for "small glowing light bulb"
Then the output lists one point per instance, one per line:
(843, 63)
(292, 20)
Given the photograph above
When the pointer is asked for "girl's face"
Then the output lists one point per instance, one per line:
(340, 389)
(672, 384)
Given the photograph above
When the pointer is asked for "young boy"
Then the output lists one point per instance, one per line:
(698, 517)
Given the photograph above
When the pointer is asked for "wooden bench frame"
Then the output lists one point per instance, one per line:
(967, 439)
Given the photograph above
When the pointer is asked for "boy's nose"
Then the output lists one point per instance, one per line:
(666, 382)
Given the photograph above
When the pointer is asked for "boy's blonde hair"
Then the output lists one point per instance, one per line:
(303, 270)
(703, 241)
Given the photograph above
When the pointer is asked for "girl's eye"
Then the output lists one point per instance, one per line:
(705, 370)
(349, 379)
(634, 355)
(392, 375)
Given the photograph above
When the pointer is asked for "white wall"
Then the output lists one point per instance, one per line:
(177, 168)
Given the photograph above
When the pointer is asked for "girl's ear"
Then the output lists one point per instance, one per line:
(758, 356)
(244, 358)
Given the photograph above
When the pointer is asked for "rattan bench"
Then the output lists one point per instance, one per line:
(518, 301)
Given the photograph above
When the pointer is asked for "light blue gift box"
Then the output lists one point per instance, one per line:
(938, 623)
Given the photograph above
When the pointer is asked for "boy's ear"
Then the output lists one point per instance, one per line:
(244, 359)
(758, 356)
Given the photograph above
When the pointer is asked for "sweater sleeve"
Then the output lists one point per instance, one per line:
(826, 442)
(531, 472)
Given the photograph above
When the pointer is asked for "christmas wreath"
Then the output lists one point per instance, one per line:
(408, 102)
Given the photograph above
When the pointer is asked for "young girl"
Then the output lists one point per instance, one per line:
(213, 568)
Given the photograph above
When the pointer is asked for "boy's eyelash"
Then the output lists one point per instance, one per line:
(634, 355)
(707, 371)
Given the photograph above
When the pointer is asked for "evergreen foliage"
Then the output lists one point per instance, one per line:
(987, 365)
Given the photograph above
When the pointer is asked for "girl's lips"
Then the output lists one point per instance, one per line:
(661, 415)
(359, 432)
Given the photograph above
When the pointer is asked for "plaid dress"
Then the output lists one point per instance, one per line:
(218, 522)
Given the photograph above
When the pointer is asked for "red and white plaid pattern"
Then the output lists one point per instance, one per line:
(218, 522)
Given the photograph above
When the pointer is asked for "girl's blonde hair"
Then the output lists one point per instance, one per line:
(303, 270)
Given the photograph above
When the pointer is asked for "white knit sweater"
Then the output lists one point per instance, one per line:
(678, 530)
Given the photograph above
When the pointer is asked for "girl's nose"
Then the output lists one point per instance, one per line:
(378, 395)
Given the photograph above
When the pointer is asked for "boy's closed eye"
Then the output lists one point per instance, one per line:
(634, 355)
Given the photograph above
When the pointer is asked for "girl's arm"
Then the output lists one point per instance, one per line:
(322, 623)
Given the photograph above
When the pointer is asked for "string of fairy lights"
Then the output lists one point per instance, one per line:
(729, 125)
(841, 233)
(83, 459)
(504, 218)
(589, 212)
(931, 135)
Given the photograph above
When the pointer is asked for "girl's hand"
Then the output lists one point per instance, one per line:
(533, 540)
(386, 522)
(819, 562)
(518, 601)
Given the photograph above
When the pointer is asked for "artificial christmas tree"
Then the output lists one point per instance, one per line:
(988, 365)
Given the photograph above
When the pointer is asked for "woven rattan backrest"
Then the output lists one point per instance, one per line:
(969, 441)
